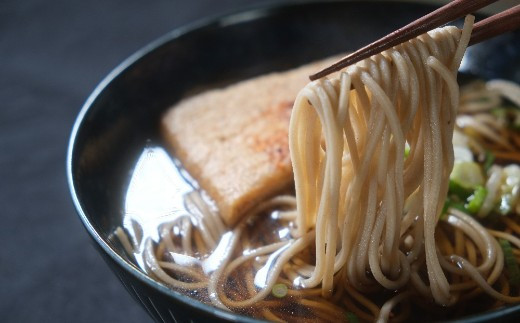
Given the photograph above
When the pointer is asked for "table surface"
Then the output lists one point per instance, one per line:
(52, 55)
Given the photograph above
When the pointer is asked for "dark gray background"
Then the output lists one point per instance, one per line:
(52, 55)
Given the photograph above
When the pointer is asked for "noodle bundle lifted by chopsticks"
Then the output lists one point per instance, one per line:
(372, 209)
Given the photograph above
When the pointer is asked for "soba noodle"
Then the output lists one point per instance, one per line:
(358, 182)
(364, 220)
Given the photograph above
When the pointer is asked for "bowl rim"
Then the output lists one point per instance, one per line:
(254, 11)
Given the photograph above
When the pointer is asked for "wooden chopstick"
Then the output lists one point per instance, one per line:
(437, 18)
(495, 25)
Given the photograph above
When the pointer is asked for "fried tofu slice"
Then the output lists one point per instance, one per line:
(234, 141)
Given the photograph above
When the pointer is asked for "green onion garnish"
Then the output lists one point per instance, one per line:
(510, 261)
(464, 179)
(460, 191)
(279, 290)
(489, 159)
(452, 203)
(406, 151)
(476, 200)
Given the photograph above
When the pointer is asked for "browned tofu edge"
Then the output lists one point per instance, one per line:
(232, 213)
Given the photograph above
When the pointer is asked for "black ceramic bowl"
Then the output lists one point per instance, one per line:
(123, 112)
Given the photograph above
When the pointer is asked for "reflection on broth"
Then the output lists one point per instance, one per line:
(155, 198)
(164, 220)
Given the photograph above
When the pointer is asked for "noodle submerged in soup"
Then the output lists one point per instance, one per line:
(400, 206)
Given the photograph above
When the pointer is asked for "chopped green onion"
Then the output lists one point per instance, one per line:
(476, 200)
(279, 290)
(406, 151)
(510, 261)
(452, 203)
(351, 317)
(464, 179)
(489, 159)
(459, 191)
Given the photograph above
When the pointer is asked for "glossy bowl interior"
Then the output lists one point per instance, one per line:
(123, 112)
